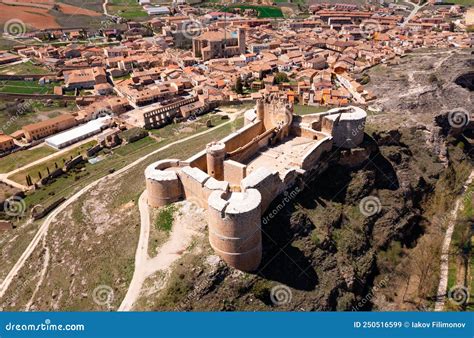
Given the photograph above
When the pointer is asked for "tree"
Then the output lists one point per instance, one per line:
(239, 87)
(281, 77)
(425, 265)
(452, 26)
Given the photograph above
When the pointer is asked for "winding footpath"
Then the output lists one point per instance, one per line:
(43, 230)
(141, 256)
(443, 281)
(104, 6)
(179, 240)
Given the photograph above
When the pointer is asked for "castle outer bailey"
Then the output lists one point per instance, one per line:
(238, 177)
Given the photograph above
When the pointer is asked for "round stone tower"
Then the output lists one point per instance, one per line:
(234, 228)
(162, 183)
(215, 160)
(346, 125)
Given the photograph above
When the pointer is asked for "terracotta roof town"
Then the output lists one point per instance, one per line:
(161, 64)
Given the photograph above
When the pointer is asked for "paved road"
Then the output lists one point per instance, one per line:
(43, 230)
(415, 10)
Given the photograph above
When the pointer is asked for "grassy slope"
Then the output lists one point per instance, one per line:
(24, 68)
(25, 87)
(263, 11)
(21, 158)
(128, 9)
(60, 159)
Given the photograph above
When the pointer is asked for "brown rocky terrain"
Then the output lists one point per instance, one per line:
(420, 86)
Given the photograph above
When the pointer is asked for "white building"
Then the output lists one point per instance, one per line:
(80, 133)
(157, 10)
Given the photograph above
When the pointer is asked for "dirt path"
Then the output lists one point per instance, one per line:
(179, 240)
(443, 281)
(42, 231)
(141, 256)
(42, 274)
(104, 6)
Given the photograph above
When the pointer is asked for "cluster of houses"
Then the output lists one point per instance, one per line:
(157, 68)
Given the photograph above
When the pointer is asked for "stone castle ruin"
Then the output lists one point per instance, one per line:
(238, 177)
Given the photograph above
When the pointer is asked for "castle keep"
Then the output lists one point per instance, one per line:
(238, 177)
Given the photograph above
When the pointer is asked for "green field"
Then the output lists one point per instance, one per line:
(127, 9)
(21, 158)
(25, 87)
(135, 146)
(305, 110)
(187, 128)
(295, 2)
(24, 68)
(263, 11)
(461, 2)
(20, 177)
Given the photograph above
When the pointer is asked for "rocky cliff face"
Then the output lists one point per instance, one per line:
(323, 248)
